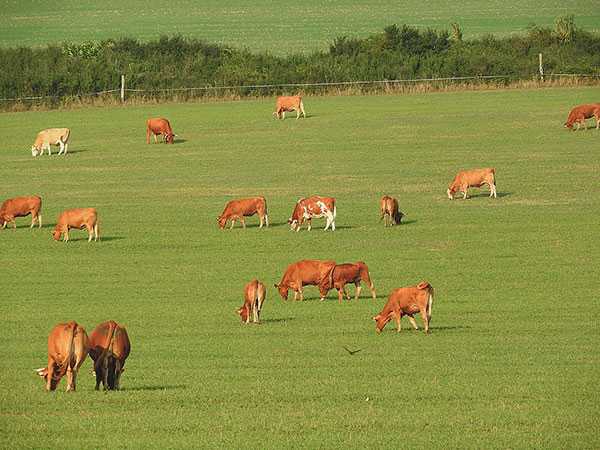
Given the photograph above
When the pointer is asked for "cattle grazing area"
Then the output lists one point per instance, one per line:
(293, 27)
(511, 358)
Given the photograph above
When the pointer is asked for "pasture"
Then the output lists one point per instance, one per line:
(263, 25)
(512, 360)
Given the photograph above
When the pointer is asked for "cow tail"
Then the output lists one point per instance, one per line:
(266, 212)
(108, 350)
(70, 355)
(429, 302)
(66, 136)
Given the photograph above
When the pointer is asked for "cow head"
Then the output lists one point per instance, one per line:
(43, 373)
(381, 321)
(35, 151)
(283, 291)
(297, 217)
(568, 125)
(221, 221)
(169, 137)
(244, 313)
(56, 234)
(451, 192)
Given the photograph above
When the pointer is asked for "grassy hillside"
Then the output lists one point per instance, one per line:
(264, 25)
(512, 360)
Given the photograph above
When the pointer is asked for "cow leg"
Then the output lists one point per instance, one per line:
(49, 375)
(309, 224)
(398, 317)
(260, 218)
(13, 221)
(425, 317)
(155, 139)
(66, 235)
(243, 222)
(232, 223)
(105, 372)
(90, 231)
(413, 322)
(61, 147)
(295, 295)
(465, 194)
(71, 374)
(118, 372)
(267, 220)
(66, 147)
(340, 296)
(98, 372)
(358, 289)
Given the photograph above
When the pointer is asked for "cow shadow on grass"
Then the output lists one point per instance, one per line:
(166, 387)
(179, 141)
(278, 320)
(486, 194)
(101, 239)
(407, 222)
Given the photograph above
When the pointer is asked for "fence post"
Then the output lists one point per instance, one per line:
(541, 68)
(123, 88)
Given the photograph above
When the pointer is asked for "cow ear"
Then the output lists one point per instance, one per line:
(423, 285)
(375, 318)
(42, 371)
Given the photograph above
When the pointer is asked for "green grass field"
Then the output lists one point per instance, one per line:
(267, 25)
(512, 361)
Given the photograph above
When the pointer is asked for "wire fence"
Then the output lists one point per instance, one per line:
(274, 86)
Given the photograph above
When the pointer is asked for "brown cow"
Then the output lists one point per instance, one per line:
(109, 348)
(312, 272)
(472, 178)
(407, 301)
(77, 218)
(291, 103)
(389, 210)
(313, 207)
(67, 348)
(351, 273)
(254, 295)
(246, 207)
(21, 207)
(579, 113)
(159, 127)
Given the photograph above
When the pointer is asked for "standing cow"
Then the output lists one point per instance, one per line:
(246, 207)
(390, 211)
(159, 127)
(312, 272)
(78, 218)
(351, 273)
(255, 293)
(407, 301)
(68, 346)
(289, 104)
(21, 207)
(579, 113)
(109, 348)
(311, 208)
(51, 136)
(472, 178)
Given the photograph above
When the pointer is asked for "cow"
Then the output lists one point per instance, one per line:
(77, 218)
(313, 207)
(254, 295)
(389, 211)
(289, 104)
(351, 273)
(579, 113)
(109, 348)
(68, 346)
(312, 272)
(51, 136)
(246, 207)
(159, 127)
(21, 207)
(472, 178)
(407, 301)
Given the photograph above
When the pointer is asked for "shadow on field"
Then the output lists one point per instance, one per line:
(78, 150)
(166, 387)
(102, 239)
(279, 320)
(407, 222)
(486, 194)
(179, 141)
(455, 327)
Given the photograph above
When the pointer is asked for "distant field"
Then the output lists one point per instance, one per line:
(267, 25)
(512, 361)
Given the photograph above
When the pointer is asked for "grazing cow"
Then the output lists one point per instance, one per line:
(351, 273)
(51, 136)
(67, 348)
(289, 104)
(389, 211)
(246, 207)
(109, 348)
(254, 295)
(472, 178)
(21, 207)
(311, 208)
(77, 218)
(579, 113)
(407, 301)
(312, 272)
(159, 127)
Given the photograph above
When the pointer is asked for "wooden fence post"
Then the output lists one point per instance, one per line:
(122, 88)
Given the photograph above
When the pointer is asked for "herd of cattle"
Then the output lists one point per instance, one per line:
(108, 346)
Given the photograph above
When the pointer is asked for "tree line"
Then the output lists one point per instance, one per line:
(63, 72)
